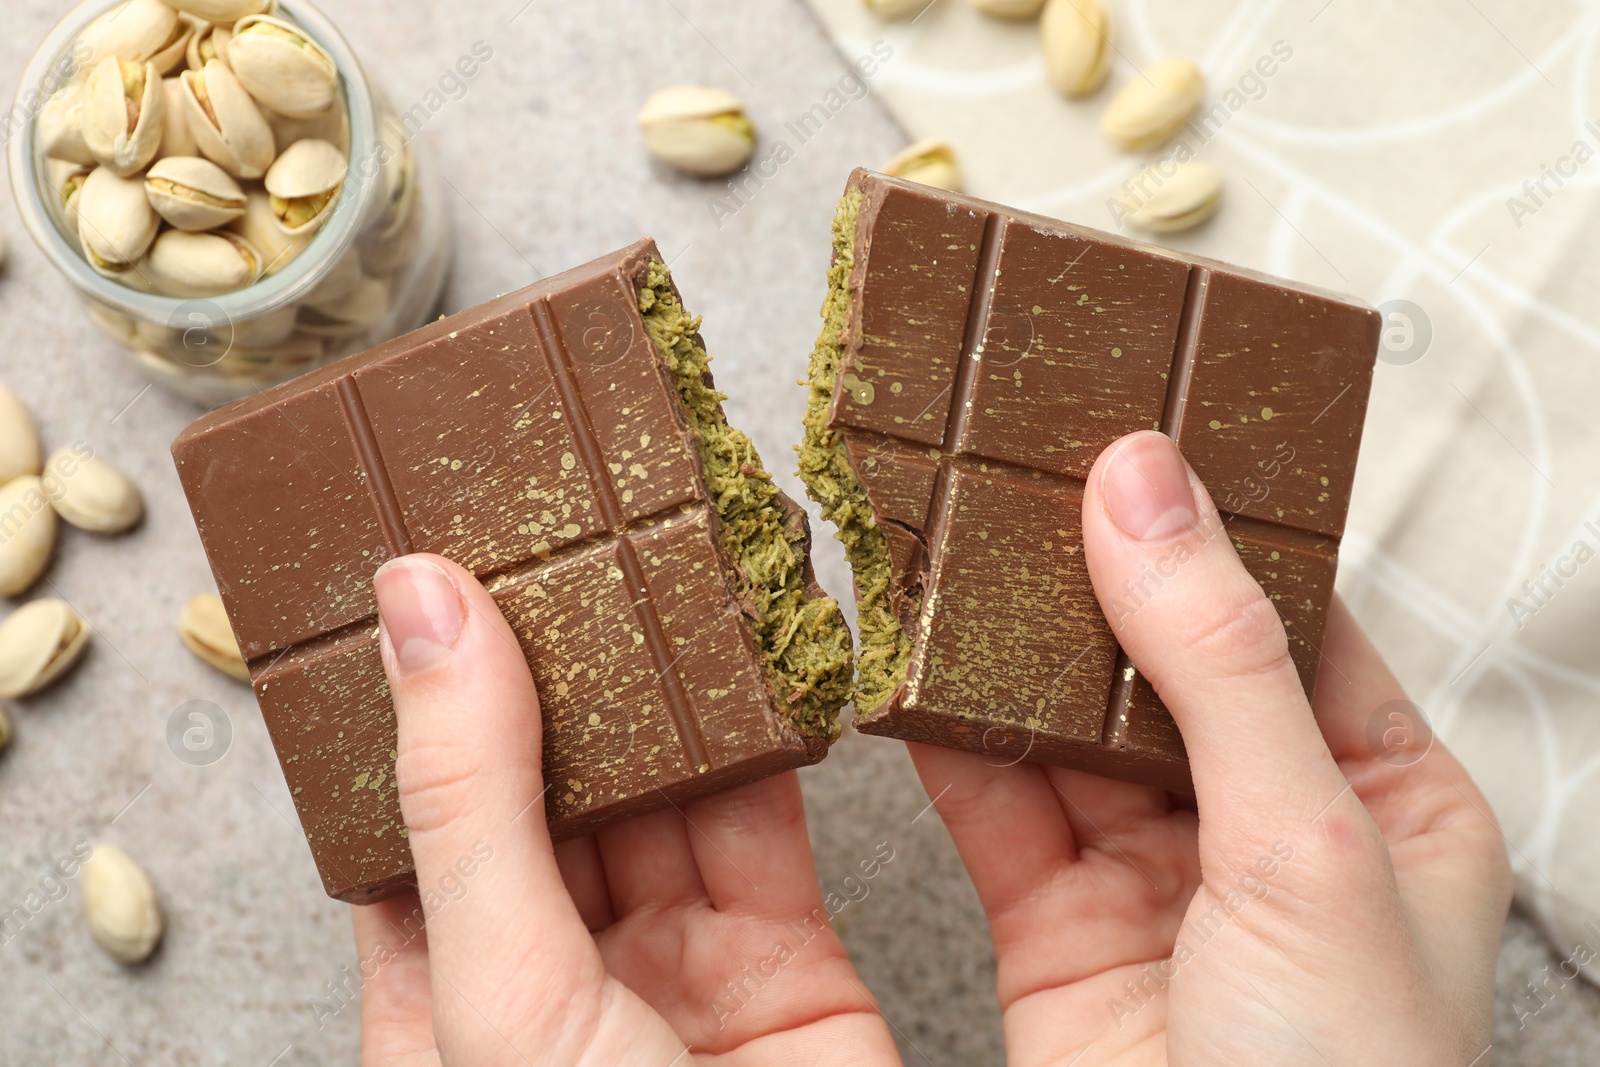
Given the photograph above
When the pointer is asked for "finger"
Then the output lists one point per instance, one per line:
(469, 779)
(1208, 639)
(392, 965)
(585, 879)
(753, 853)
(648, 862)
(1100, 809)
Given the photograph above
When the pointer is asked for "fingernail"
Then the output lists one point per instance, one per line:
(421, 611)
(1146, 488)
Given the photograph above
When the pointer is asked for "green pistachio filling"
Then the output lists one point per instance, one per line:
(803, 639)
(885, 650)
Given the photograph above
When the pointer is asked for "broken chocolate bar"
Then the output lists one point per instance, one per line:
(564, 444)
(973, 363)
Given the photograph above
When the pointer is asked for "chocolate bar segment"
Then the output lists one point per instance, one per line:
(564, 444)
(973, 363)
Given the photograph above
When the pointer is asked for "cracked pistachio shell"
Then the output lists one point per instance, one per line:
(931, 163)
(116, 223)
(223, 11)
(1183, 201)
(304, 184)
(283, 67)
(1077, 36)
(120, 905)
(124, 108)
(210, 41)
(135, 32)
(333, 287)
(1154, 105)
(260, 227)
(176, 140)
(193, 194)
(202, 264)
(332, 125)
(205, 631)
(60, 126)
(698, 129)
(20, 453)
(896, 9)
(27, 534)
(263, 331)
(226, 123)
(91, 494)
(39, 642)
(364, 308)
(1009, 9)
(66, 181)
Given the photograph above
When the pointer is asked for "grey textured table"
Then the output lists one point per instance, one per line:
(546, 172)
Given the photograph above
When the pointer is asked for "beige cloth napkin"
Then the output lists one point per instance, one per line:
(1432, 152)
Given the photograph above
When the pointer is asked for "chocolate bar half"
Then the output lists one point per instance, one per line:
(973, 363)
(565, 444)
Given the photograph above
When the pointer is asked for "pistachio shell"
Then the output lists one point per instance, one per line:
(120, 905)
(27, 534)
(115, 222)
(1009, 9)
(333, 287)
(176, 140)
(930, 162)
(206, 632)
(227, 11)
(201, 264)
(282, 67)
(39, 642)
(260, 227)
(210, 41)
(123, 111)
(332, 125)
(1180, 202)
(176, 51)
(19, 440)
(134, 32)
(364, 309)
(194, 194)
(1154, 106)
(263, 331)
(114, 324)
(1078, 37)
(66, 181)
(697, 129)
(60, 126)
(91, 494)
(226, 123)
(897, 9)
(304, 185)
(298, 352)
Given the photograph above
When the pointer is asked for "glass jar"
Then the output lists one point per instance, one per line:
(375, 269)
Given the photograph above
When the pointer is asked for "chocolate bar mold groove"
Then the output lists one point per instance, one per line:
(1185, 351)
(391, 516)
(985, 278)
(593, 460)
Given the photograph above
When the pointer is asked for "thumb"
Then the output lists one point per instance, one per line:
(1207, 639)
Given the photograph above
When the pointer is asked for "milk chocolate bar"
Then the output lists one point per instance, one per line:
(973, 362)
(564, 444)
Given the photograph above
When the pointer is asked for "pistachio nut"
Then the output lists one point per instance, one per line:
(66, 179)
(91, 494)
(114, 324)
(202, 264)
(193, 194)
(333, 287)
(897, 9)
(1180, 202)
(282, 67)
(124, 108)
(135, 32)
(19, 440)
(27, 534)
(1009, 9)
(205, 631)
(115, 222)
(364, 309)
(304, 183)
(176, 140)
(1154, 106)
(120, 905)
(262, 331)
(60, 126)
(698, 129)
(210, 41)
(298, 352)
(39, 642)
(226, 123)
(928, 163)
(223, 11)
(1078, 38)
(259, 226)
(332, 125)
